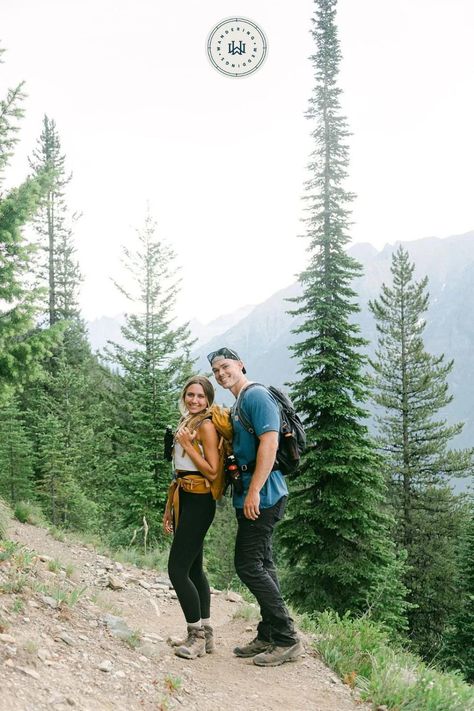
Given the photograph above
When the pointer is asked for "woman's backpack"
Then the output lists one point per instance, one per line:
(220, 418)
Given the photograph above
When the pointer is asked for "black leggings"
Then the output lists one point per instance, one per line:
(196, 513)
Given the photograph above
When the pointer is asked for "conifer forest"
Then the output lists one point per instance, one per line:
(374, 525)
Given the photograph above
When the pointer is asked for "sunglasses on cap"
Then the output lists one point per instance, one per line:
(224, 353)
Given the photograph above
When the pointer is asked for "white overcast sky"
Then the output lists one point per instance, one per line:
(143, 116)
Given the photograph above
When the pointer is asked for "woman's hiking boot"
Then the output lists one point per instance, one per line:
(274, 656)
(195, 645)
(256, 646)
(209, 637)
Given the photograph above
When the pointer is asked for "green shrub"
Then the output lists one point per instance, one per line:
(359, 651)
(28, 512)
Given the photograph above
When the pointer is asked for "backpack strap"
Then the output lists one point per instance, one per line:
(238, 407)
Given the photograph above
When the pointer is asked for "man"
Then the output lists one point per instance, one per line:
(258, 509)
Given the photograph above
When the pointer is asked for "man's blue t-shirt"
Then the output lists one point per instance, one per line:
(261, 412)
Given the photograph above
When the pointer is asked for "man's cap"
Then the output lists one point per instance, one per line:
(225, 353)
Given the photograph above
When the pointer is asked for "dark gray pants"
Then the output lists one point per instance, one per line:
(255, 567)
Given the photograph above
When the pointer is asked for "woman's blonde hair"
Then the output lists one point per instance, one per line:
(206, 385)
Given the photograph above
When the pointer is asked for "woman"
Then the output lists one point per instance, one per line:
(190, 510)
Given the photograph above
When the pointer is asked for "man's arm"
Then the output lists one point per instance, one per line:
(266, 455)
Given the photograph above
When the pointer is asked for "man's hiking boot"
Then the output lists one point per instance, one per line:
(195, 645)
(274, 656)
(252, 648)
(208, 635)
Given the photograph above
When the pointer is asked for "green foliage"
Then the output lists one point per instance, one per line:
(335, 536)
(359, 651)
(15, 455)
(28, 512)
(410, 388)
(461, 632)
(219, 547)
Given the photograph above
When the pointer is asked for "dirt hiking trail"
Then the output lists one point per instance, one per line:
(108, 649)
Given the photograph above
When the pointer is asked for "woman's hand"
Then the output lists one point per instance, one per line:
(167, 521)
(185, 437)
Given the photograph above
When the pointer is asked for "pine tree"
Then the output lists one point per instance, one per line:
(335, 538)
(410, 388)
(22, 344)
(16, 483)
(59, 268)
(151, 371)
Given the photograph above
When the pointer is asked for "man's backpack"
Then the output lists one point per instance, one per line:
(292, 440)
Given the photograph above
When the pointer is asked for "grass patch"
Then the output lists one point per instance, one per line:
(360, 653)
(18, 605)
(62, 596)
(28, 512)
(30, 646)
(16, 583)
(5, 516)
(247, 611)
(54, 566)
(105, 605)
(155, 559)
(133, 639)
(7, 550)
(57, 533)
(172, 683)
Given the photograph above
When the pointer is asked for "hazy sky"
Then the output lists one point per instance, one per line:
(143, 116)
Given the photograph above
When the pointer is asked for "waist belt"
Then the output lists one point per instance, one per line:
(192, 483)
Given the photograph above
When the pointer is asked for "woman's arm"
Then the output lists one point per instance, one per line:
(209, 464)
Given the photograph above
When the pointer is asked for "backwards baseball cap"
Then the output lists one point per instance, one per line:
(225, 353)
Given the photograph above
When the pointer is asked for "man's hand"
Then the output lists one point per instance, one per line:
(266, 453)
(252, 505)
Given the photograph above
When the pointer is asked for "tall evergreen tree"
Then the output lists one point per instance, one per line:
(410, 388)
(151, 371)
(59, 268)
(335, 538)
(22, 345)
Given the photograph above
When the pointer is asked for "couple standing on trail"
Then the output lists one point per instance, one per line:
(191, 507)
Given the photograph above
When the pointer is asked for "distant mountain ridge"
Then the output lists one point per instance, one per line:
(262, 334)
(263, 337)
(108, 328)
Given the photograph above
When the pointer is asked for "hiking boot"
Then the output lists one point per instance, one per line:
(274, 656)
(195, 645)
(252, 648)
(209, 637)
(174, 642)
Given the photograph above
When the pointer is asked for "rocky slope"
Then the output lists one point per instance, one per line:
(81, 631)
